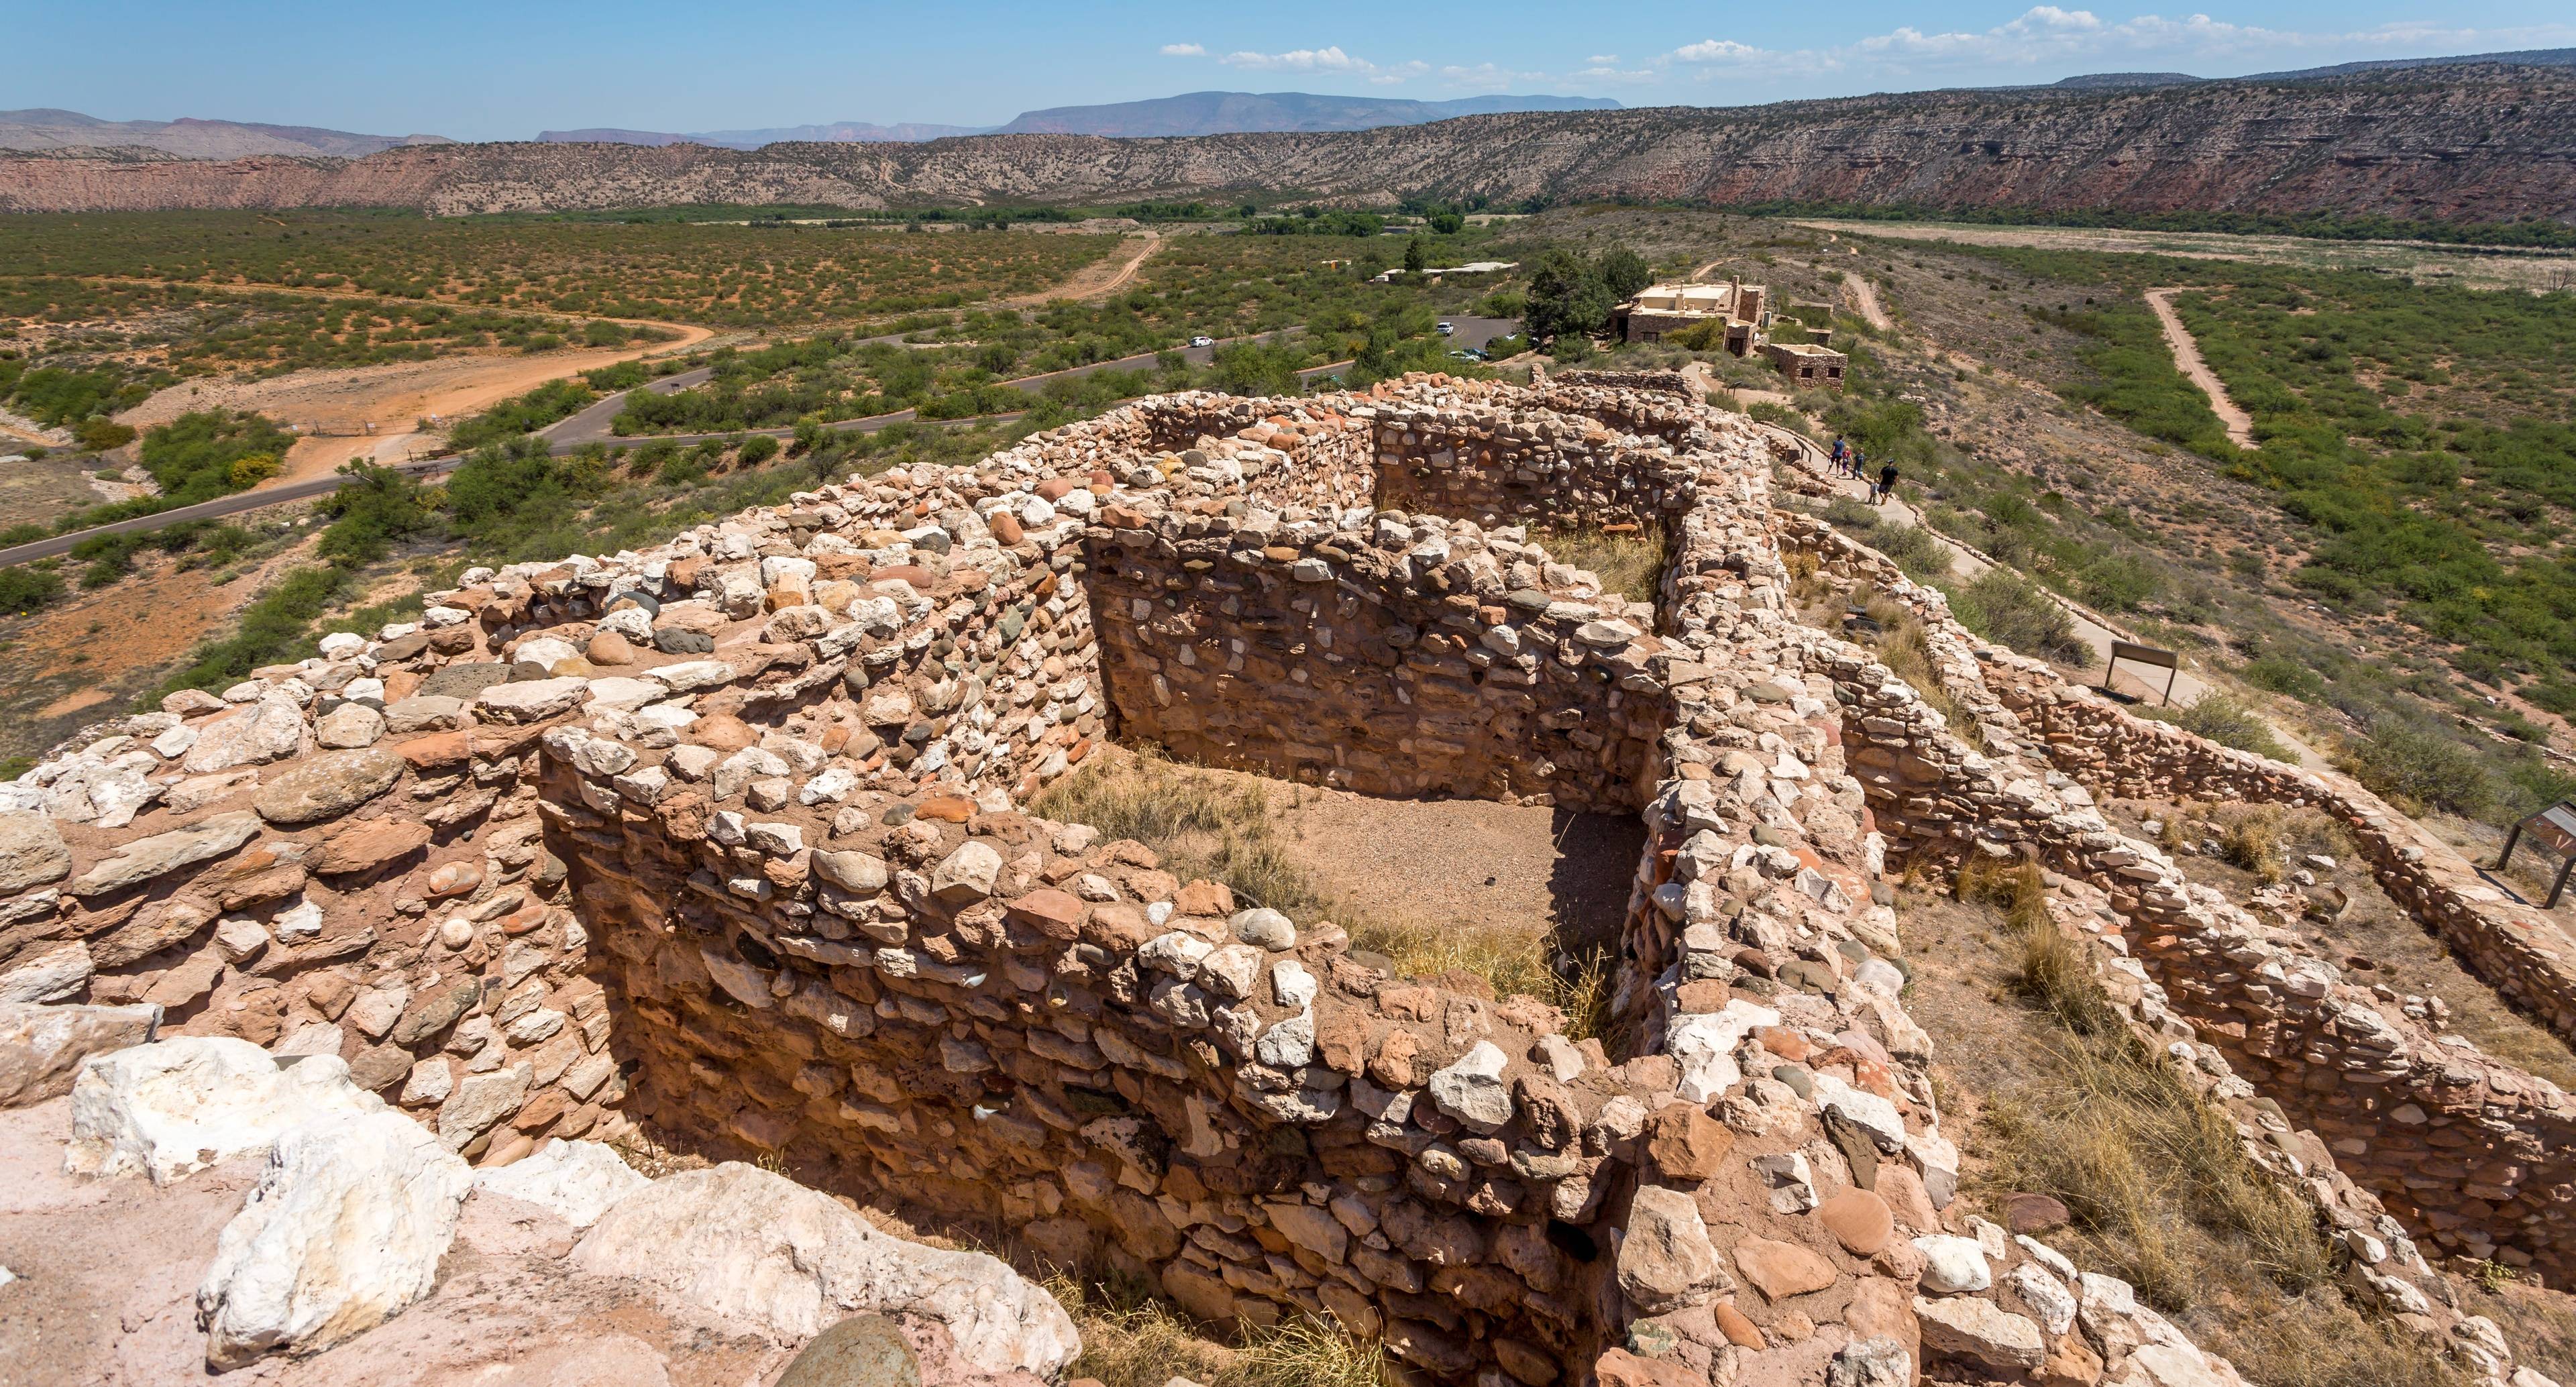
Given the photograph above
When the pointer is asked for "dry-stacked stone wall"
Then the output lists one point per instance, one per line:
(726, 839)
(2363, 1101)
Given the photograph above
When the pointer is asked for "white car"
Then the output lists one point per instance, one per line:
(1447, 328)
(1202, 341)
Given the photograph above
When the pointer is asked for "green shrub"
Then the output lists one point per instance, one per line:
(25, 587)
(2282, 675)
(2228, 721)
(757, 449)
(97, 435)
(2013, 611)
(192, 456)
(2417, 768)
(1914, 549)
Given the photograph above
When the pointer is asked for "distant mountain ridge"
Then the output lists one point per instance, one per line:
(1238, 113)
(1191, 113)
(49, 128)
(838, 132)
(2471, 143)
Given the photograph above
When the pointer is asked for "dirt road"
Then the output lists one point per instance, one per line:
(392, 397)
(2240, 425)
(1098, 280)
(1865, 296)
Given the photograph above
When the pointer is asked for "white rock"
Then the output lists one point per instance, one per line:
(740, 1242)
(51, 976)
(579, 1180)
(2046, 1295)
(1952, 1265)
(1705, 1045)
(344, 1229)
(1472, 1090)
(179, 1105)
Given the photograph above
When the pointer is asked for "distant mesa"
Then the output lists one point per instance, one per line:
(1191, 113)
(838, 132)
(47, 128)
(1240, 113)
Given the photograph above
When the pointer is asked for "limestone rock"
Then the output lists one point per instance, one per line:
(1981, 1332)
(51, 976)
(349, 725)
(1953, 1265)
(31, 852)
(1667, 1262)
(43, 1047)
(735, 1240)
(1472, 1090)
(328, 786)
(579, 1180)
(344, 1229)
(267, 730)
(176, 1106)
(1871, 1363)
(146, 858)
(533, 700)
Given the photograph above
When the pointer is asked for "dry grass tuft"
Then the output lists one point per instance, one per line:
(2162, 1191)
(1629, 563)
(1131, 1339)
(1223, 826)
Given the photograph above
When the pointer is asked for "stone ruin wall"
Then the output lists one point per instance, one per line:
(2469, 1153)
(764, 888)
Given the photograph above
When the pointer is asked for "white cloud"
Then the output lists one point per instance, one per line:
(1328, 59)
(1183, 50)
(1720, 51)
(1603, 60)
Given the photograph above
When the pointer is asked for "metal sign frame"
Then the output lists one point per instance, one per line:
(2145, 655)
(2554, 828)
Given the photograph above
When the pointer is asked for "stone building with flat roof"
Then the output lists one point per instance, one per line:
(1662, 309)
(1808, 366)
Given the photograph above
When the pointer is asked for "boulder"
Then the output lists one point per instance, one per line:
(31, 852)
(327, 786)
(146, 858)
(176, 1106)
(344, 1229)
(861, 1351)
(578, 1180)
(738, 1241)
(42, 1047)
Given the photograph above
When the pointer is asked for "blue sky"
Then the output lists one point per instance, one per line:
(479, 70)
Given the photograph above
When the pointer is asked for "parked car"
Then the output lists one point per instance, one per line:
(1447, 328)
(1202, 340)
(1469, 354)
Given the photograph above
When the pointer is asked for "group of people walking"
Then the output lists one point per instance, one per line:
(1848, 462)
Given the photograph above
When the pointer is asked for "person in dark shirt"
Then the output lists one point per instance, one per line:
(1886, 484)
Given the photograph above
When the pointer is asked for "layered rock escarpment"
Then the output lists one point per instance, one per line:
(728, 840)
(2468, 143)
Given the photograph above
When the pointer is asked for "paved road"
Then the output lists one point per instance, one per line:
(208, 510)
